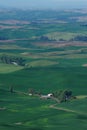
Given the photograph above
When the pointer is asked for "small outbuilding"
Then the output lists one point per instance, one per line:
(48, 96)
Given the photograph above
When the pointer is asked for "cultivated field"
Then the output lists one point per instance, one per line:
(45, 51)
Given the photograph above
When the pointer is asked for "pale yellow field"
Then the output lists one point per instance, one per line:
(5, 68)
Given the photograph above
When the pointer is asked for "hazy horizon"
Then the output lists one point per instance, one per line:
(44, 4)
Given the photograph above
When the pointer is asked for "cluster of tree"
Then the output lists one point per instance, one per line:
(3, 38)
(34, 92)
(62, 40)
(62, 95)
(84, 25)
(80, 38)
(12, 60)
(44, 38)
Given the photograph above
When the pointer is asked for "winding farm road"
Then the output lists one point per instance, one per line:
(66, 109)
(69, 110)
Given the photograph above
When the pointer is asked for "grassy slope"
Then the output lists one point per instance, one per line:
(24, 112)
(47, 79)
(5, 68)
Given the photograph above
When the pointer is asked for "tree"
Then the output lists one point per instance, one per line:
(9, 60)
(63, 95)
(31, 91)
(11, 89)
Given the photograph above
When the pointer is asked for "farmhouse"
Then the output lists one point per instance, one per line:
(14, 63)
(30, 94)
(48, 96)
